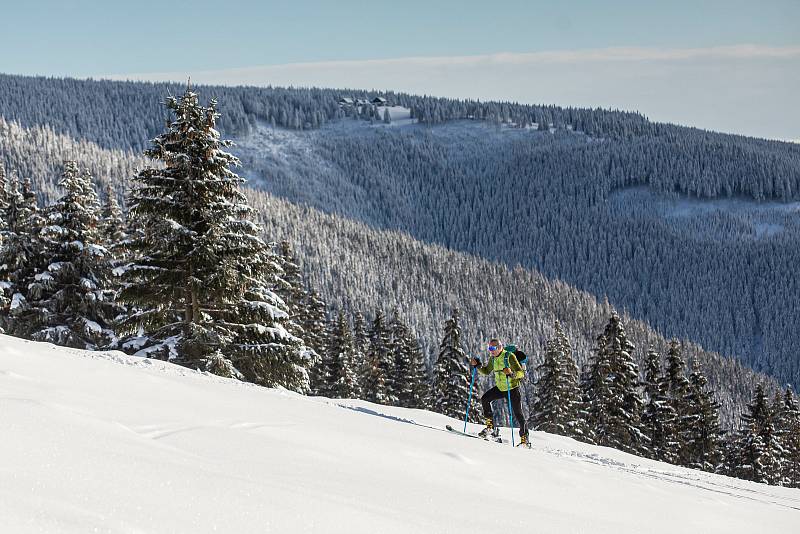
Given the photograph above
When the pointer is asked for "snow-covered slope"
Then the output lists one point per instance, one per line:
(103, 442)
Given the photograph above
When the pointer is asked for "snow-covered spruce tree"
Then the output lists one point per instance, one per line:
(115, 238)
(451, 375)
(71, 301)
(678, 392)
(5, 301)
(340, 363)
(20, 256)
(291, 288)
(773, 446)
(378, 363)
(381, 350)
(545, 409)
(658, 418)
(759, 453)
(361, 346)
(788, 422)
(610, 389)
(745, 455)
(776, 412)
(113, 227)
(201, 278)
(304, 312)
(3, 202)
(419, 377)
(704, 436)
(557, 408)
(596, 389)
(400, 355)
(314, 320)
(575, 412)
(408, 386)
(730, 454)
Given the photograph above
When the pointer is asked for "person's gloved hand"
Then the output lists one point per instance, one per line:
(474, 362)
(507, 371)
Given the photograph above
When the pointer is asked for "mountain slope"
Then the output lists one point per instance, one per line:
(119, 444)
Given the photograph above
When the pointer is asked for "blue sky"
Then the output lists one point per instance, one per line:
(91, 38)
(81, 37)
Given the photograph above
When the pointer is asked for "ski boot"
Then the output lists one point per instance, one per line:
(488, 431)
(523, 442)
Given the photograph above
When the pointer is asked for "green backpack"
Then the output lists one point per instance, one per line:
(522, 358)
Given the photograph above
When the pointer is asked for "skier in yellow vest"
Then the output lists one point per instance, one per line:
(507, 375)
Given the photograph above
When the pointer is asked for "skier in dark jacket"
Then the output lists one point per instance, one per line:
(507, 375)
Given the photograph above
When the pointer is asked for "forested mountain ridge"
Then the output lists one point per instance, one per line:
(594, 213)
(357, 267)
(80, 108)
(561, 192)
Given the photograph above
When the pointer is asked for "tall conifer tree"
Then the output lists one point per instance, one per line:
(745, 455)
(703, 436)
(4, 298)
(112, 221)
(113, 227)
(659, 418)
(678, 392)
(758, 452)
(341, 377)
(408, 385)
(201, 276)
(71, 301)
(451, 375)
(610, 391)
(418, 377)
(379, 362)
(314, 317)
(3, 202)
(361, 345)
(557, 408)
(307, 314)
(20, 256)
(398, 384)
(788, 422)
(291, 288)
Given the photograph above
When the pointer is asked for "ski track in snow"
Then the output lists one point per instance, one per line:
(683, 476)
(694, 479)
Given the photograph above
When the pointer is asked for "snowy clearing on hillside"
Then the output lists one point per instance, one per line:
(399, 115)
(718, 219)
(104, 442)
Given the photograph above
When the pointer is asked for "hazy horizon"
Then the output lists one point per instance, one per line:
(750, 93)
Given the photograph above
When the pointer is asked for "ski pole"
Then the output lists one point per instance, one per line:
(510, 416)
(469, 399)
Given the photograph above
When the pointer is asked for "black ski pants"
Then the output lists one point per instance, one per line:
(516, 404)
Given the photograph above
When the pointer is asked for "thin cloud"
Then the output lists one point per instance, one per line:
(744, 51)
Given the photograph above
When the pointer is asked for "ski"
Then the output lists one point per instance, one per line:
(451, 429)
(460, 433)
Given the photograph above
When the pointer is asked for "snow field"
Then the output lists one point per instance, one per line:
(104, 442)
